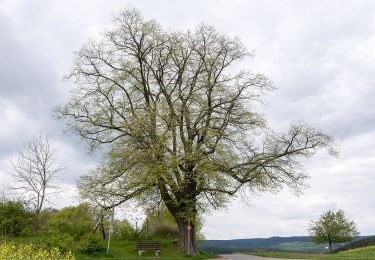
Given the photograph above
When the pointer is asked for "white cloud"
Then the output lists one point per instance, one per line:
(337, 183)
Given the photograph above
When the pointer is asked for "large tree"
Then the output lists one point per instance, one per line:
(333, 227)
(180, 121)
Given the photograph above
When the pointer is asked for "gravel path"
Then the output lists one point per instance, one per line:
(248, 257)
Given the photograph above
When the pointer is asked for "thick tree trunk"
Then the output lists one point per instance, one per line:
(187, 240)
(184, 212)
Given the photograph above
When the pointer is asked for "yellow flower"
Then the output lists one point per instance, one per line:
(12, 251)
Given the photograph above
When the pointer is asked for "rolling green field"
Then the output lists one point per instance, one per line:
(355, 254)
(299, 246)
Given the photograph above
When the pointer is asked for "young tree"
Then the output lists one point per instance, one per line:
(181, 124)
(15, 218)
(34, 170)
(332, 227)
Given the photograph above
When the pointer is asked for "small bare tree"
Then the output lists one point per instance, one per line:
(34, 169)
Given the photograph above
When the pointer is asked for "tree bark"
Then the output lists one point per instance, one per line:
(330, 244)
(102, 229)
(36, 223)
(187, 240)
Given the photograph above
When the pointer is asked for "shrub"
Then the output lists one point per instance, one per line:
(44, 217)
(61, 241)
(75, 221)
(15, 218)
(91, 244)
(122, 229)
(162, 224)
(165, 230)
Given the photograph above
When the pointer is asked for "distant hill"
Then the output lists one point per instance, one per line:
(358, 243)
(293, 244)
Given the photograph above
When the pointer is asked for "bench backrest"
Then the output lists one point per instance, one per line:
(148, 244)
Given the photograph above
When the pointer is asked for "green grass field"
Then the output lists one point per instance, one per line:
(122, 249)
(355, 254)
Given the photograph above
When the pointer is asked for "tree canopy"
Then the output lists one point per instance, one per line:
(333, 227)
(15, 218)
(179, 122)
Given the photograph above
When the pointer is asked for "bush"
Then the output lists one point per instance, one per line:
(75, 221)
(161, 224)
(15, 218)
(61, 241)
(44, 217)
(122, 230)
(165, 230)
(91, 244)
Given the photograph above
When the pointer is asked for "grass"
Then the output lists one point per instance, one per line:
(121, 249)
(125, 250)
(355, 254)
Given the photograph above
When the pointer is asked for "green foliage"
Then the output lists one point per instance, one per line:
(91, 245)
(120, 249)
(75, 221)
(332, 227)
(165, 230)
(15, 218)
(63, 242)
(161, 224)
(44, 216)
(122, 229)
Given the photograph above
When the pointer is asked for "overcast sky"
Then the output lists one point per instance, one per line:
(320, 55)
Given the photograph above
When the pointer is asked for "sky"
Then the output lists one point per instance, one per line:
(319, 54)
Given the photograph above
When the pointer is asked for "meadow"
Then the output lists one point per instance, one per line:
(367, 253)
(27, 248)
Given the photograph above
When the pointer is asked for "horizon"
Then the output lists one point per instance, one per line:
(268, 238)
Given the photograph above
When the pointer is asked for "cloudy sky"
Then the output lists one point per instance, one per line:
(320, 55)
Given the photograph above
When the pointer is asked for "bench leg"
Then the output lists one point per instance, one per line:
(157, 252)
(140, 252)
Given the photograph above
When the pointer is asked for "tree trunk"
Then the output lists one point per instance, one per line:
(36, 223)
(330, 244)
(187, 240)
(102, 229)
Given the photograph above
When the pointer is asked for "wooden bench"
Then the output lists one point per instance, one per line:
(151, 245)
